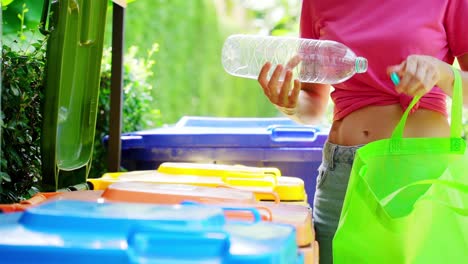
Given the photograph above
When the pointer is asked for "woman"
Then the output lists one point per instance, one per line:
(418, 40)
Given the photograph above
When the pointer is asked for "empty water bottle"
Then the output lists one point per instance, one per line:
(321, 61)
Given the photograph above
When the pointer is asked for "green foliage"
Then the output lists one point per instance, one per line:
(21, 18)
(22, 80)
(5, 3)
(16, 21)
(189, 74)
(22, 94)
(274, 17)
(138, 107)
(22, 77)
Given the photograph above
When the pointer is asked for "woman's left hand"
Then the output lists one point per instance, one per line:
(419, 74)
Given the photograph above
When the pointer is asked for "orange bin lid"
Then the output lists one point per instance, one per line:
(173, 193)
(164, 197)
(23, 205)
(40, 198)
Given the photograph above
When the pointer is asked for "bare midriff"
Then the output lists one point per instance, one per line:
(378, 122)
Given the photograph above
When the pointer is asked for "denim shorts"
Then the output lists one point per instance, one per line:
(332, 181)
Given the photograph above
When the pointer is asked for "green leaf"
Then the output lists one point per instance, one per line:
(15, 91)
(5, 176)
(33, 191)
(6, 2)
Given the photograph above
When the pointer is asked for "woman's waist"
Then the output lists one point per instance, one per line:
(348, 101)
(372, 123)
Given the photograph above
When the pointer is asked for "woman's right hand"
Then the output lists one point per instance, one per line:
(280, 93)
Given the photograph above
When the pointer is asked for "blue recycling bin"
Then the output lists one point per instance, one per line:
(271, 142)
(67, 231)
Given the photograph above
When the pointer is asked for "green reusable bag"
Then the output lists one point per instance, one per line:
(407, 198)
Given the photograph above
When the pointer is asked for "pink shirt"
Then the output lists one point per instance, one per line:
(386, 33)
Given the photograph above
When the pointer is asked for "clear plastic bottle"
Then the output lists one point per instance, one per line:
(321, 61)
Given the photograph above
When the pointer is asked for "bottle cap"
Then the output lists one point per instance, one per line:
(361, 64)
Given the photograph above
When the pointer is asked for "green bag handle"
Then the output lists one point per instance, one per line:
(458, 186)
(457, 104)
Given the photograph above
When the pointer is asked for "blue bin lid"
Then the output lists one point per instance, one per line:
(227, 133)
(79, 232)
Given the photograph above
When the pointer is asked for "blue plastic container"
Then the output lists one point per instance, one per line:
(86, 232)
(273, 142)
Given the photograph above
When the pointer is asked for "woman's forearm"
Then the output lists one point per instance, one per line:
(311, 106)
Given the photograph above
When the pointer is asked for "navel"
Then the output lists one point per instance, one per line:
(365, 133)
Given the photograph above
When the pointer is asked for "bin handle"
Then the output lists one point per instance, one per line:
(269, 216)
(273, 194)
(147, 241)
(272, 171)
(293, 133)
(255, 210)
(255, 213)
(231, 181)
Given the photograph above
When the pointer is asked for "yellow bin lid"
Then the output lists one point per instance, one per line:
(266, 187)
(158, 177)
(209, 169)
(287, 188)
